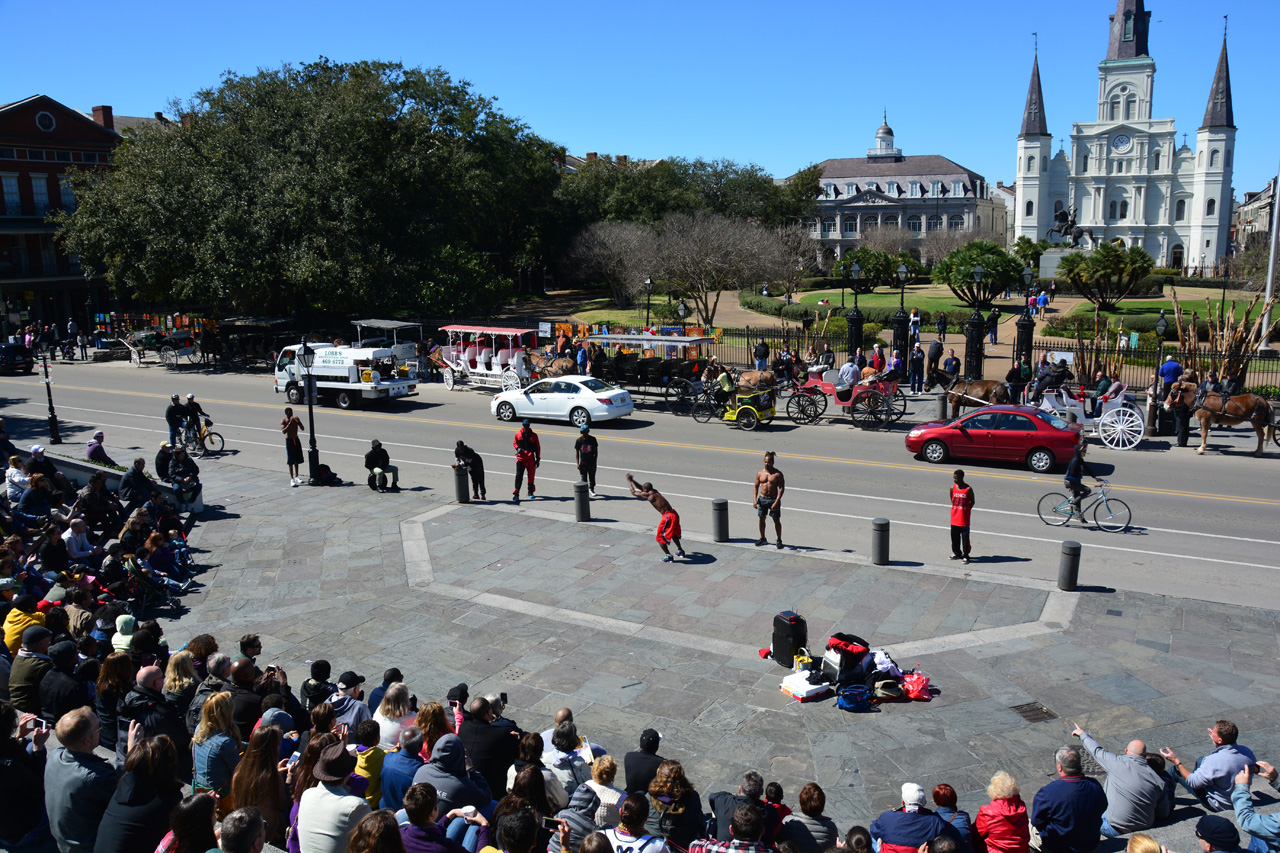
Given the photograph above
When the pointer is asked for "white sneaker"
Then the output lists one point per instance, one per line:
(294, 482)
(592, 492)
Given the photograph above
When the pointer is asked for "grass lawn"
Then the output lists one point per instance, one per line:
(604, 310)
(926, 298)
(1191, 299)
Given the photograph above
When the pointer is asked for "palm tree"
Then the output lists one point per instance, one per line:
(1110, 274)
(1029, 251)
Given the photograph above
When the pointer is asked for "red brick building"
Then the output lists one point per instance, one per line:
(40, 139)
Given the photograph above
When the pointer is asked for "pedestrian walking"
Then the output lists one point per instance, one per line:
(766, 496)
(587, 450)
(669, 526)
(290, 424)
(941, 323)
(915, 368)
(474, 465)
(1053, 290)
(961, 510)
(993, 323)
(528, 457)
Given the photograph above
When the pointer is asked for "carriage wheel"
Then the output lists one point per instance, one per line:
(802, 409)
(747, 419)
(135, 357)
(169, 357)
(679, 397)
(702, 412)
(194, 355)
(1121, 429)
(447, 373)
(897, 405)
(510, 380)
(870, 410)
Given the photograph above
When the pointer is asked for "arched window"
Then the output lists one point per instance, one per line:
(1180, 210)
(891, 221)
(1210, 207)
(1084, 163)
(1130, 107)
(1176, 255)
(955, 222)
(1124, 210)
(1213, 158)
(979, 218)
(869, 223)
(1031, 208)
(828, 224)
(1057, 205)
(851, 225)
(913, 223)
(1115, 109)
(1111, 210)
(1155, 161)
(1200, 158)
(1031, 164)
(935, 222)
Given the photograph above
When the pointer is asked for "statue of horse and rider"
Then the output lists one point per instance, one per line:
(1066, 228)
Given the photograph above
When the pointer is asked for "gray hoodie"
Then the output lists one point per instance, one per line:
(1135, 792)
(447, 771)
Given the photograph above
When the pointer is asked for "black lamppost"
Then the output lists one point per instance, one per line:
(54, 437)
(307, 357)
(648, 295)
(1025, 324)
(682, 311)
(975, 333)
(900, 316)
(855, 320)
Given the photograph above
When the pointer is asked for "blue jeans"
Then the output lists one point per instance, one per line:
(173, 435)
(466, 834)
(917, 380)
(762, 364)
(1107, 829)
(993, 334)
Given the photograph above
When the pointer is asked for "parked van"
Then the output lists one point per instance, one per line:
(343, 374)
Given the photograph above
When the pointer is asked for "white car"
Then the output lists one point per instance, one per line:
(577, 399)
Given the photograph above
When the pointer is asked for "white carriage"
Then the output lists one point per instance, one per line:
(1118, 423)
(485, 356)
(402, 338)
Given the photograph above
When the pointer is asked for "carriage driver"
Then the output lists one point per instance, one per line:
(723, 380)
(1076, 469)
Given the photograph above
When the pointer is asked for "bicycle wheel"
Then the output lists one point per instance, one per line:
(191, 441)
(702, 412)
(213, 443)
(1055, 509)
(1111, 514)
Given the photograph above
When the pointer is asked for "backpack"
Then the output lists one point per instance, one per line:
(854, 697)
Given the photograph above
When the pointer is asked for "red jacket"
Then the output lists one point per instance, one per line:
(526, 443)
(1002, 826)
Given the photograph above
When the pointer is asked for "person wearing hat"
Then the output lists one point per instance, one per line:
(587, 451)
(347, 707)
(378, 463)
(528, 457)
(467, 458)
(1066, 814)
(904, 829)
(1169, 373)
(95, 452)
(184, 476)
(761, 355)
(164, 455)
(1217, 833)
(30, 667)
(41, 464)
(175, 416)
(22, 616)
(328, 812)
(641, 766)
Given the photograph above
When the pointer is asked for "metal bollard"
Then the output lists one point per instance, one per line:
(581, 503)
(880, 541)
(1071, 416)
(942, 407)
(461, 490)
(720, 520)
(1069, 566)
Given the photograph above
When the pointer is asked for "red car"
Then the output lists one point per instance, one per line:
(1026, 434)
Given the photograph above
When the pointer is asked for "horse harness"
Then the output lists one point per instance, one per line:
(1257, 415)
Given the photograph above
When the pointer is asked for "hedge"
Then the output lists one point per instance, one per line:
(1152, 285)
(1064, 326)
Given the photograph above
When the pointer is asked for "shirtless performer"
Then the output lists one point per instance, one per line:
(669, 526)
(767, 496)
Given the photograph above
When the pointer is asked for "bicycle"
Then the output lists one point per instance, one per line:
(1111, 514)
(201, 440)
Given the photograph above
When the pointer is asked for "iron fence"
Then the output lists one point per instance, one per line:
(1139, 363)
(734, 346)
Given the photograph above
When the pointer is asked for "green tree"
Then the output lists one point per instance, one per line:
(1029, 251)
(1000, 269)
(1111, 273)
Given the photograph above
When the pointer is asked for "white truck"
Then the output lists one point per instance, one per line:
(346, 375)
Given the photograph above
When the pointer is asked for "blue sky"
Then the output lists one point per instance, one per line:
(778, 84)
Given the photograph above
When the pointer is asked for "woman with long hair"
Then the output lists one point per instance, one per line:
(115, 679)
(532, 788)
(434, 724)
(192, 823)
(160, 557)
(180, 680)
(377, 833)
(675, 808)
(215, 747)
(392, 715)
(259, 781)
(137, 818)
(531, 747)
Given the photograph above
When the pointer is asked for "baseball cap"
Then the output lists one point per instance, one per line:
(99, 434)
(912, 794)
(524, 422)
(1218, 831)
(349, 679)
(584, 428)
(35, 634)
(37, 448)
(649, 740)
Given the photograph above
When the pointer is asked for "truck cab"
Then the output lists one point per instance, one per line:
(345, 376)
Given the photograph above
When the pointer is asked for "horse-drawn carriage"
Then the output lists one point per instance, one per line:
(1118, 422)
(169, 345)
(873, 401)
(676, 381)
(486, 356)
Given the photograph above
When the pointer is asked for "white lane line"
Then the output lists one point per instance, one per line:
(1037, 539)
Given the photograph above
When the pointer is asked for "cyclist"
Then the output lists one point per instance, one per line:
(194, 413)
(1076, 469)
(176, 417)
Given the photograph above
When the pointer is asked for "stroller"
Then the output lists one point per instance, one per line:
(175, 533)
(147, 592)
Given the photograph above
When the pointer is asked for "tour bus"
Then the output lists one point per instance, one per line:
(346, 375)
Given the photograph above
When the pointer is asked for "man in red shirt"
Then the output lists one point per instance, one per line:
(961, 510)
(528, 456)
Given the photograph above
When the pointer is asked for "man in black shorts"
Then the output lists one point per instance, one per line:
(767, 496)
(587, 450)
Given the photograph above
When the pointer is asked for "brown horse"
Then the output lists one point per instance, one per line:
(748, 381)
(1217, 408)
(962, 393)
(545, 365)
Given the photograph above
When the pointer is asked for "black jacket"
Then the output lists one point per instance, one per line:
(492, 750)
(21, 790)
(156, 714)
(246, 707)
(163, 458)
(60, 692)
(180, 468)
(680, 822)
(107, 705)
(175, 415)
(639, 768)
(315, 693)
(761, 351)
(723, 804)
(211, 685)
(935, 350)
(377, 458)
(137, 818)
(135, 487)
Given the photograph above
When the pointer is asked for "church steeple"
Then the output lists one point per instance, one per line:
(1033, 120)
(1129, 27)
(1218, 111)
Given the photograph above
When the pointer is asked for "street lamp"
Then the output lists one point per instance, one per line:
(900, 316)
(307, 357)
(648, 295)
(682, 311)
(903, 272)
(1027, 275)
(975, 332)
(855, 319)
(54, 436)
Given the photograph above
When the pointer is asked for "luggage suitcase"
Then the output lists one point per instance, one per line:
(790, 634)
(847, 660)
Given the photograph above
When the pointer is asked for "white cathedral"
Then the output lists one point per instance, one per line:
(1126, 178)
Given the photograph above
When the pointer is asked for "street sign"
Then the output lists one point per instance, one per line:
(1133, 340)
(544, 330)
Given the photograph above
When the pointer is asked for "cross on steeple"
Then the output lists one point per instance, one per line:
(1033, 109)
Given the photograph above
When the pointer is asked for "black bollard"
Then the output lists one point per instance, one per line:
(461, 492)
(720, 520)
(1069, 566)
(942, 406)
(581, 502)
(880, 541)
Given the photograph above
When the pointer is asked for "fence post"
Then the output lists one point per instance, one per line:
(975, 334)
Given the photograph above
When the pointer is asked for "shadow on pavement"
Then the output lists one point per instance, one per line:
(999, 558)
(1103, 589)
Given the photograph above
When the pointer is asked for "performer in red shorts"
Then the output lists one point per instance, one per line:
(669, 526)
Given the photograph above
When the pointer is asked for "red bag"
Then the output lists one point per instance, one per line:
(916, 686)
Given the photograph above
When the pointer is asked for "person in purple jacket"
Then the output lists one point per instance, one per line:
(462, 830)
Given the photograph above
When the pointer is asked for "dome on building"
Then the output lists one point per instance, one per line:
(884, 130)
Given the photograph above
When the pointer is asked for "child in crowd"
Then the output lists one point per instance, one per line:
(369, 757)
(773, 796)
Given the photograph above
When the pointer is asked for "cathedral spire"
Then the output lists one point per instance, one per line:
(1129, 27)
(1033, 120)
(1218, 111)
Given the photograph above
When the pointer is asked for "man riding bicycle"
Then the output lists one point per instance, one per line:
(1076, 469)
(194, 413)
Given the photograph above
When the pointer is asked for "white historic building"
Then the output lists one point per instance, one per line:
(1126, 176)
